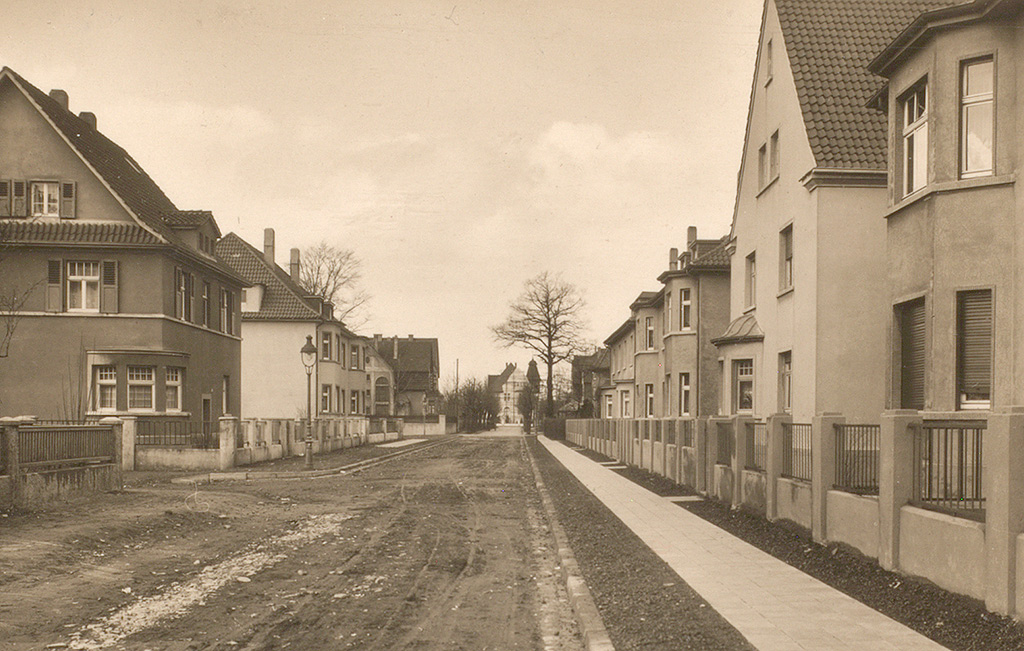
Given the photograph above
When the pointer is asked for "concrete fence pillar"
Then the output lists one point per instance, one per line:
(228, 430)
(823, 470)
(9, 440)
(117, 432)
(1003, 487)
(700, 455)
(129, 431)
(773, 462)
(739, 456)
(296, 440)
(895, 479)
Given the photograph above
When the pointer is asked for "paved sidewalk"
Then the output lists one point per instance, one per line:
(775, 606)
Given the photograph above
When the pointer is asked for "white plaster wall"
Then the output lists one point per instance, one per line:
(946, 550)
(853, 520)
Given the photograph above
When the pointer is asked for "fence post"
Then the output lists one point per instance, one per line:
(823, 470)
(739, 456)
(228, 427)
(895, 479)
(700, 455)
(773, 462)
(9, 429)
(117, 431)
(129, 430)
(296, 430)
(1003, 488)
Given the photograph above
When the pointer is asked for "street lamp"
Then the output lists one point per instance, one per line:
(309, 360)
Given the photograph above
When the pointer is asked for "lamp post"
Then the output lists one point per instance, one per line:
(309, 360)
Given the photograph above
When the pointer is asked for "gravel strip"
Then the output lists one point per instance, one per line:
(642, 601)
(953, 620)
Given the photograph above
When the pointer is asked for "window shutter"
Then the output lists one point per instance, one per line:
(54, 295)
(68, 193)
(19, 201)
(108, 287)
(975, 349)
(5, 198)
(912, 358)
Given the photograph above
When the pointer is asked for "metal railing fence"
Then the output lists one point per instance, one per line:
(796, 451)
(948, 467)
(757, 446)
(42, 446)
(177, 433)
(857, 450)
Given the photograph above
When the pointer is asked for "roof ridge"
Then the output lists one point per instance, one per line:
(278, 273)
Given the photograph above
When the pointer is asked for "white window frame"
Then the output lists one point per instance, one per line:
(225, 393)
(742, 373)
(326, 341)
(684, 394)
(325, 398)
(649, 400)
(976, 101)
(649, 325)
(354, 402)
(78, 273)
(684, 308)
(786, 258)
(142, 376)
(914, 153)
(173, 383)
(773, 156)
(104, 377)
(353, 352)
(786, 381)
(609, 404)
(48, 203)
(750, 280)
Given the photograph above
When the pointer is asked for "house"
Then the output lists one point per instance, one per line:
(591, 376)
(663, 359)
(952, 216)
(278, 315)
(123, 306)
(808, 285)
(506, 387)
(416, 365)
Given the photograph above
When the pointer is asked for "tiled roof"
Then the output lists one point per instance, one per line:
(495, 382)
(830, 43)
(417, 361)
(716, 258)
(741, 330)
(189, 219)
(283, 299)
(645, 299)
(620, 332)
(28, 231)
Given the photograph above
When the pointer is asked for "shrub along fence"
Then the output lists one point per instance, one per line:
(936, 495)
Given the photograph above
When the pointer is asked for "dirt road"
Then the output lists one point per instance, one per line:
(444, 549)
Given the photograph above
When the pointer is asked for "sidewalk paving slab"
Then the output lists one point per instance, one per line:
(774, 605)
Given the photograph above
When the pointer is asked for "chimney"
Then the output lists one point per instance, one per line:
(60, 97)
(327, 310)
(89, 118)
(293, 266)
(691, 236)
(268, 245)
(410, 337)
(376, 341)
(395, 348)
(673, 259)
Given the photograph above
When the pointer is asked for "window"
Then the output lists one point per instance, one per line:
(750, 288)
(743, 386)
(910, 324)
(83, 286)
(325, 347)
(914, 109)
(341, 401)
(786, 258)
(684, 308)
(106, 388)
(226, 312)
(172, 389)
(354, 350)
(684, 394)
(786, 381)
(338, 404)
(762, 166)
(206, 304)
(325, 398)
(650, 333)
(769, 64)
(976, 118)
(773, 157)
(337, 349)
(354, 407)
(974, 349)
(45, 199)
(608, 406)
(625, 404)
(667, 312)
(649, 400)
(140, 387)
(225, 393)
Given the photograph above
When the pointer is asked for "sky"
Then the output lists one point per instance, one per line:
(458, 147)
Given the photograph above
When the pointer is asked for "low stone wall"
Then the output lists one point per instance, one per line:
(754, 491)
(794, 501)
(946, 550)
(55, 485)
(853, 521)
(722, 487)
(158, 458)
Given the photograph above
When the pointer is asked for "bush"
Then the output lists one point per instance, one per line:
(554, 428)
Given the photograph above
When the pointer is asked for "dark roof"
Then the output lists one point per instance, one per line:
(495, 382)
(830, 43)
(620, 332)
(601, 359)
(645, 299)
(715, 258)
(417, 363)
(27, 231)
(741, 330)
(190, 219)
(283, 298)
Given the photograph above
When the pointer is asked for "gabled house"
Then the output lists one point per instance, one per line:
(506, 387)
(417, 368)
(277, 316)
(953, 215)
(591, 377)
(123, 307)
(808, 315)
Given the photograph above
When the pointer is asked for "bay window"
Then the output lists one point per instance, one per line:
(914, 111)
(976, 117)
(140, 388)
(105, 388)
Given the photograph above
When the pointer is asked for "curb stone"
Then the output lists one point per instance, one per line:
(595, 635)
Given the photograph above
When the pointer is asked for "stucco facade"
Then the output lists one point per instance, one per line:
(107, 326)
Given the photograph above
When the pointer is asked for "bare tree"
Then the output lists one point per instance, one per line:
(546, 318)
(333, 274)
(12, 296)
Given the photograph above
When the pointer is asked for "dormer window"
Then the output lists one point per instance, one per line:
(976, 117)
(45, 199)
(914, 108)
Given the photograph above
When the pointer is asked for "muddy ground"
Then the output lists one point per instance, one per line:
(442, 549)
